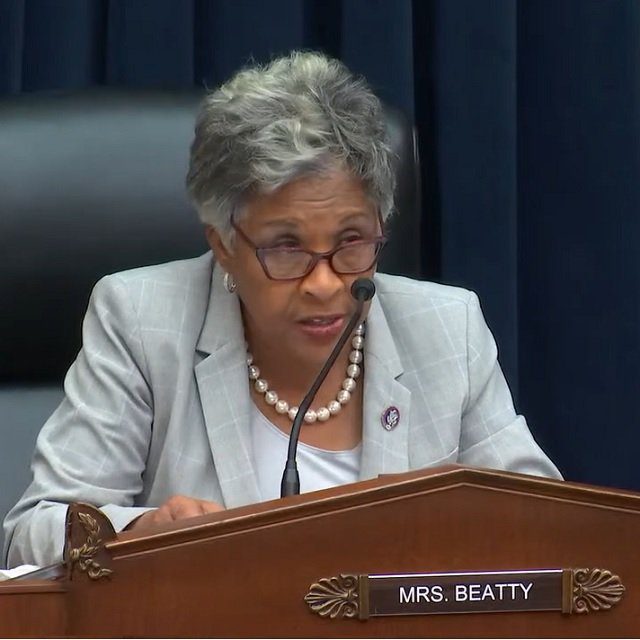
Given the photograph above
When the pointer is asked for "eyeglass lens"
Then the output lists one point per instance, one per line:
(295, 263)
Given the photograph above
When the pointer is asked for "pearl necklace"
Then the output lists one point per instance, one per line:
(323, 413)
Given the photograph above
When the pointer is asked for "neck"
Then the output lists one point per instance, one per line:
(284, 387)
(291, 377)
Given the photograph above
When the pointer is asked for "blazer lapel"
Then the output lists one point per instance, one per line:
(226, 402)
(224, 393)
(384, 450)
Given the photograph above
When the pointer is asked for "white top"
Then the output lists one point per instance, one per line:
(318, 468)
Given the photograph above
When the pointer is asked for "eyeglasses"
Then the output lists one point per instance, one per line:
(291, 263)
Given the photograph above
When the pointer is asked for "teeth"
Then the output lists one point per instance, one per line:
(321, 321)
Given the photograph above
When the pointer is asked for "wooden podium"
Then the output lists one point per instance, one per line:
(308, 566)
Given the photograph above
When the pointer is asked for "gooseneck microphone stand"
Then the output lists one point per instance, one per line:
(362, 290)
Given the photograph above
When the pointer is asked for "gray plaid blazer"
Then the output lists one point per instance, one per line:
(157, 402)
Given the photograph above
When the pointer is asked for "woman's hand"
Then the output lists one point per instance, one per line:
(175, 508)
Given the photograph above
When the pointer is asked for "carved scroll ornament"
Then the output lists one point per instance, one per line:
(334, 597)
(595, 590)
(87, 529)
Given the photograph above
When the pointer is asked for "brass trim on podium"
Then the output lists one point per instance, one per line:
(595, 590)
(336, 597)
(87, 531)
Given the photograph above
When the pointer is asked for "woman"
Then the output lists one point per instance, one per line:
(183, 395)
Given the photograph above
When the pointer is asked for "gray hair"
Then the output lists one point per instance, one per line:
(302, 114)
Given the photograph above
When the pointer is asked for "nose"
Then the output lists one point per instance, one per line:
(323, 282)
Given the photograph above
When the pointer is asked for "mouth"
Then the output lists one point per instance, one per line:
(319, 321)
(322, 326)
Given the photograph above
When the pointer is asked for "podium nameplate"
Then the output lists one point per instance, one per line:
(565, 590)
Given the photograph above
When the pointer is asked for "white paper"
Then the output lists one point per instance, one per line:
(7, 574)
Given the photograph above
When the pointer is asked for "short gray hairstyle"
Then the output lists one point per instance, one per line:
(301, 114)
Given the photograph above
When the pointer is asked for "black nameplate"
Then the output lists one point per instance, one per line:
(465, 592)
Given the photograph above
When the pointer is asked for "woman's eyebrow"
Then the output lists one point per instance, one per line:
(284, 224)
(357, 216)
(288, 225)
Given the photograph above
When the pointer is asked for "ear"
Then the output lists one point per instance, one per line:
(223, 255)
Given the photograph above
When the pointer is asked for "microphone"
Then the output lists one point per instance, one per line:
(362, 290)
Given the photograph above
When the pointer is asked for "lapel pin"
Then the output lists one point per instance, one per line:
(390, 418)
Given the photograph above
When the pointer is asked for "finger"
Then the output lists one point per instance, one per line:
(182, 507)
(149, 519)
(161, 515)
(210, 507)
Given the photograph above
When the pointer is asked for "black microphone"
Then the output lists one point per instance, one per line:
(362, 290)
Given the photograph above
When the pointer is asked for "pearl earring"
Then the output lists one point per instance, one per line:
(229, 283)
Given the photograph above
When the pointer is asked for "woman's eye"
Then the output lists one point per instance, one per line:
(350, 238)
(286, 243)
